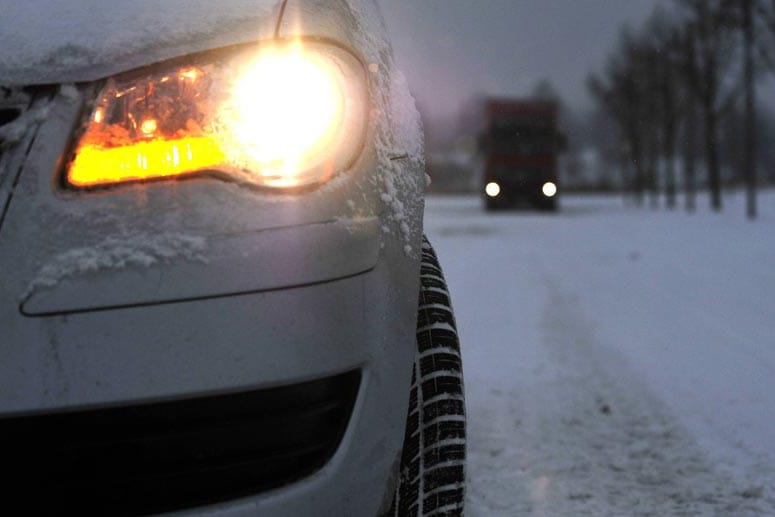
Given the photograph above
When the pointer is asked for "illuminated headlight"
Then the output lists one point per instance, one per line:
(549, 189)
(492, 189)
(288, 115)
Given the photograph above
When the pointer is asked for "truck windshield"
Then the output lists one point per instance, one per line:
(521, 140)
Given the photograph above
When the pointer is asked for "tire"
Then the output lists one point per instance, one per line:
(431, 479)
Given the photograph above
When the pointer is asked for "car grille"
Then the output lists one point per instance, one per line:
(151, 458)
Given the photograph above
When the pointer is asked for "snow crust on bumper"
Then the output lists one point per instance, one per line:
(262, 260)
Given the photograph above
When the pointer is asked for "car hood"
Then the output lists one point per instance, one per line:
(64, 41)
(55, 41)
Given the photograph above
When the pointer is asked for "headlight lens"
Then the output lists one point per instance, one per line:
(283, 116)
(549, 189)
(492, 189)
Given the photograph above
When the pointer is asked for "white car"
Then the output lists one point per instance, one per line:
(211, 263)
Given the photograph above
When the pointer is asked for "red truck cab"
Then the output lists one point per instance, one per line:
(519, 144)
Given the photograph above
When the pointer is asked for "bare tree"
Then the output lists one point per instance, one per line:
(749, 160)
(690, 117)
(684, 77)
(647, 63)
(747, 18)
(664, 37)
(766, 12)
(713, 59)
(669, 128)
(620, 95)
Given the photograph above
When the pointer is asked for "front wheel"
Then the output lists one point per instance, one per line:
(432, 474)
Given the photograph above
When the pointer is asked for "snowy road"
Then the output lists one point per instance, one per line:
(618, 361)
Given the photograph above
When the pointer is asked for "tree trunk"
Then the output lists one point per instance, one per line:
(638, 183)
(626, 174)
(670, 177)
(690, 151)
(709, 47)
(635, 136)
(652, 128)
(690, 156)
(749, 153)
(711, 153)
(668, 142)
(651, 172)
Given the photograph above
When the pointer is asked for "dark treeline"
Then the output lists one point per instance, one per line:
(681, 91)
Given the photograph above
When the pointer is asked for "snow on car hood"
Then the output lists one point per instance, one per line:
(54, 41)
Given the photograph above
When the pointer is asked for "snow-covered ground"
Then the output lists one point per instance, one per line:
(618, 361)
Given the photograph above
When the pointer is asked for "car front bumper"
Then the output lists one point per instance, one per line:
(180, 351)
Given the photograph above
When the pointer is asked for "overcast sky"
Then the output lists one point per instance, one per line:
(451, 49)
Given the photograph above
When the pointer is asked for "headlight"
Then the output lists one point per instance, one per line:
(549, 189)
(288, 115)
(492, 189)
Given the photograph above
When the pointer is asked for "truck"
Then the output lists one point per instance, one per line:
(518, 147)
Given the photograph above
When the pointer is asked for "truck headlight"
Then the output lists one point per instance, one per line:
(492, 189)
(289, 115)
(549, 189)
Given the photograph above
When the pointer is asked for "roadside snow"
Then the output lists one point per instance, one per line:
(118, 253)
(618, 361)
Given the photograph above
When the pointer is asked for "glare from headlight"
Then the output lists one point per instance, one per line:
(492, 189)
(549, 189)
(284, 109)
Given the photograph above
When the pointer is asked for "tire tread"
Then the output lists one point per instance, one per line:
(432, 475)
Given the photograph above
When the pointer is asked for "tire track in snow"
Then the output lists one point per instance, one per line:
(587, 438)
